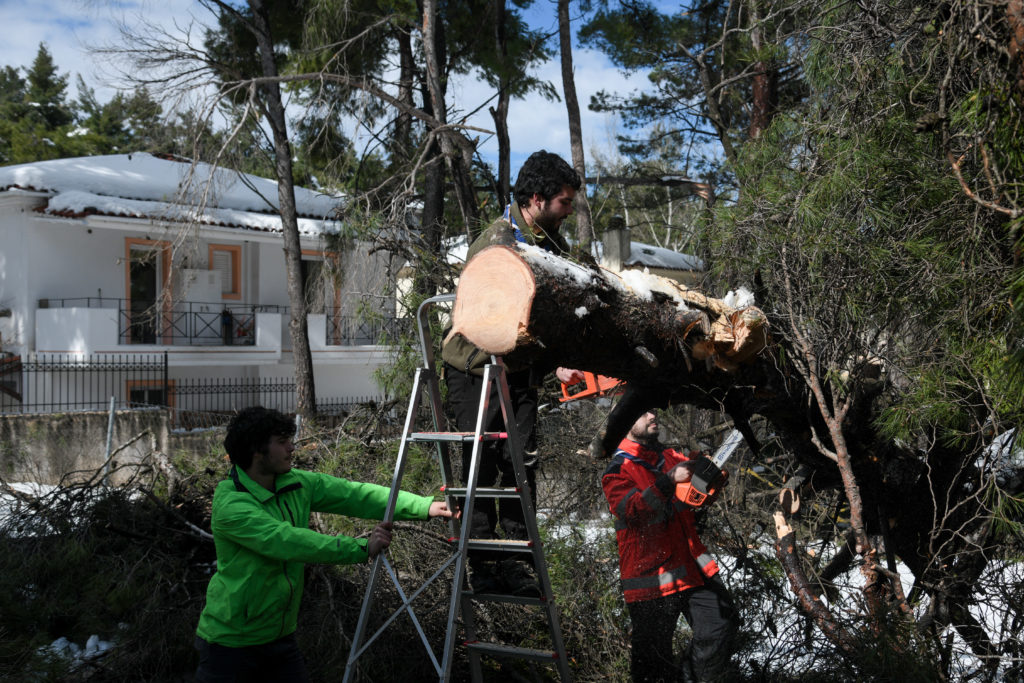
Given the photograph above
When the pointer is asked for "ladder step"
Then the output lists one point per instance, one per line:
(498, 650)
(456, 436)
(494, 492)
(497, 544)
(505, 597)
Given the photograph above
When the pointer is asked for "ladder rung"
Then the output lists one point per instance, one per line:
(498, 544)
(456, 436)
(511, 492)
(505, 597)
(498, 650)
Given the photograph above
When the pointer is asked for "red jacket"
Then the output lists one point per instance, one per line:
(659, 550)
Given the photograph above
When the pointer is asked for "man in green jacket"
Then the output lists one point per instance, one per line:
(260, 523)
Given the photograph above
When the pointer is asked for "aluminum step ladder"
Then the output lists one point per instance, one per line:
(462, 598)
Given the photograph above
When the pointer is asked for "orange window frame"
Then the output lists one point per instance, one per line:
(236, 268)
(151, 384)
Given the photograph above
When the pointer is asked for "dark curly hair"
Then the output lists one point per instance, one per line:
(250, 431)
(544, 173)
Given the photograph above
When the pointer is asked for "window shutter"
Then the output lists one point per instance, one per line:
(223, 261)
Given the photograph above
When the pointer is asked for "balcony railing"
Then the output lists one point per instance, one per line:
(348, 330)
(226, 324)
(177, 324)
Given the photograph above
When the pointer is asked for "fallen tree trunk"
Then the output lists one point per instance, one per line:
(522, 302)
(661, 337)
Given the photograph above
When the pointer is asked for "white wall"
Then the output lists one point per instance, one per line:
(15, 332)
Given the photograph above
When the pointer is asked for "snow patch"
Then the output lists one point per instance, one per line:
(78, 202)
(741, 298)
(65, 649)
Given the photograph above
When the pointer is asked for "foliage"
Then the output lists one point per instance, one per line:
(876, 219)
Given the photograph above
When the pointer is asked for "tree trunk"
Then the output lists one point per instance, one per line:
(500, 113)
(457, 150)
(810, 603)
(401, 144)
(584, 222)
(659, 336)
(764, 87)
(305, 391)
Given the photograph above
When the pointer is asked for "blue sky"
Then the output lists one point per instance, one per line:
(69, 27)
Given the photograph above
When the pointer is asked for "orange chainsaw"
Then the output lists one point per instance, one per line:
(707, 474)
(594, 386)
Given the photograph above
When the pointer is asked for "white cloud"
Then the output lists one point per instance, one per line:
(70, 27)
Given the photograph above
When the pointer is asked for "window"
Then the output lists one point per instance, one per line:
(227, 259)
(319, 277)
(143, 392)
(147, 276)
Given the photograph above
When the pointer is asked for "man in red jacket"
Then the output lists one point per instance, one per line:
(665, 569)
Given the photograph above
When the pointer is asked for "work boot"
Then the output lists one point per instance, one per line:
(519, 578)
(485, 577)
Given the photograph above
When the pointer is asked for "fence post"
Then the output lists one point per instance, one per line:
(167, 386)
(110, 442)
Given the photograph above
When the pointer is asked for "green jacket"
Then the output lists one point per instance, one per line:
(458, 351)
(263, 540)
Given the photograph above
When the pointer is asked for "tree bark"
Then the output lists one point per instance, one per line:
(785, 550)
(455, 148)
(500, 113)
(584, 222)
(764, 86)
(402, 141)
(305, 391)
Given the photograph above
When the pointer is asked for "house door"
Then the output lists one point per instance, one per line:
(143, 293)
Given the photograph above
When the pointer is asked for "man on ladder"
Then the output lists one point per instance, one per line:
(544, 194)
(495, 412)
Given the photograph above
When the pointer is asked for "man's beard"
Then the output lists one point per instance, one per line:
(548, 221)
(649, 440)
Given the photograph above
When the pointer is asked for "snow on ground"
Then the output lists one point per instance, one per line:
(10, 503)
(63, 648)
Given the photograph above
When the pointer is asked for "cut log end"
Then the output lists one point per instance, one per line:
(496, 294)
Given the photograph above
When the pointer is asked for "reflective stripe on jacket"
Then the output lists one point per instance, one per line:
(263, 540)
(659, 550)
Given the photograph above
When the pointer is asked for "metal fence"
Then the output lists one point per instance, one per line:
(52, 383)
(361, 331)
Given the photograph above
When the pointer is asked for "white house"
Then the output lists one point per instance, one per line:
(133, 255)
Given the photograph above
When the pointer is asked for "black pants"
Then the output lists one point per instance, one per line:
(279, 661)
(710, 613)
(495, 466)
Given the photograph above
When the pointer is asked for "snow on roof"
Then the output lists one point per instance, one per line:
(168, 188)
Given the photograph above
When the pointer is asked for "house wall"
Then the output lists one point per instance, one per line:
(15, 323)
(344, 378)
(272, 286)
(72, 260)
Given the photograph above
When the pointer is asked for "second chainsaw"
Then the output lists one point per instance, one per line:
(707, 475)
